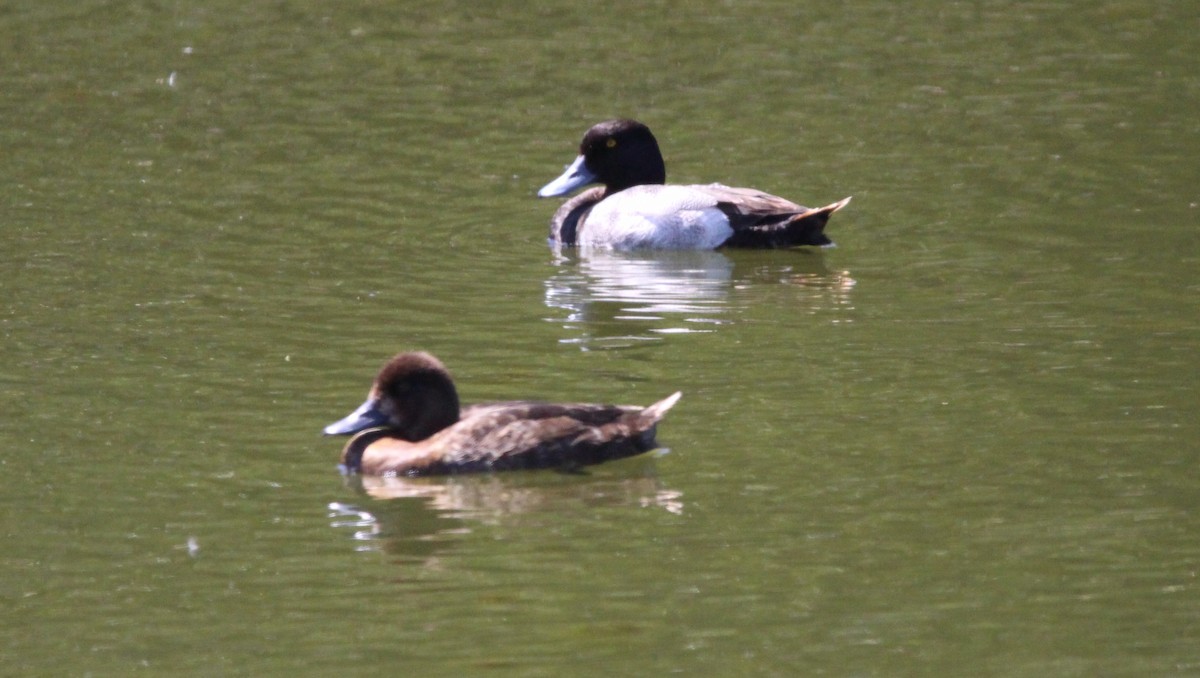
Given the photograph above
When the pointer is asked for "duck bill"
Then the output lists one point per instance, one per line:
(366, 416)
(576, 175)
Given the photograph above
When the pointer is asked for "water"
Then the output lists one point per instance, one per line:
(962, 438)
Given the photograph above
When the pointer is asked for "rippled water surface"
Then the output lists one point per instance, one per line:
(962, 441)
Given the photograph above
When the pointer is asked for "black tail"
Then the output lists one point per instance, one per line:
(805, 228)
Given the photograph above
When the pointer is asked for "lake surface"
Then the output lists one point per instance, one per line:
(964, 441)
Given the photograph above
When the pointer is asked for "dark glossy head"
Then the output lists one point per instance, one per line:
(616, 153)
(413, 397)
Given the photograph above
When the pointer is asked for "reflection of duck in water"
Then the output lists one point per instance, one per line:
(636, 209)
(672, 292)
(617, 299)
(489, 497)
(411, 424)
(419, 519)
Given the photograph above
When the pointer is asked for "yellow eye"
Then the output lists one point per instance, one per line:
(611, 143)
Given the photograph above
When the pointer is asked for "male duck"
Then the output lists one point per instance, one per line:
(411, 425)
(635, 209)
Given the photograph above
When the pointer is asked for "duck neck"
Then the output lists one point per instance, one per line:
(639, 179)
(640, 166)
(438, 409)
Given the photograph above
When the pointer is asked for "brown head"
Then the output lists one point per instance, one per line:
(413, 397)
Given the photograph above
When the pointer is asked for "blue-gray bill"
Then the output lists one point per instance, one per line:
(574, 176)
(366, 416)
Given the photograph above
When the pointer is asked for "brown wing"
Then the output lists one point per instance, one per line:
(748, 207)
(763, 220)
(539, 435)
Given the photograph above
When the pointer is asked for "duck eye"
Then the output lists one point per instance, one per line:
(611, 143)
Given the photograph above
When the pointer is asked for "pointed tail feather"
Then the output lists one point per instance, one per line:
(656, 411)
(837, 205)
(826, 210)
(808, 228)
(804, 228)
(647, 421)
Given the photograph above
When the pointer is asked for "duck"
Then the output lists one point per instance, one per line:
(411, 424)
(634, 208)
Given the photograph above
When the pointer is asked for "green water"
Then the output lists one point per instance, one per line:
(963, 442)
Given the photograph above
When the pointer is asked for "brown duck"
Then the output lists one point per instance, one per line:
(411, 425)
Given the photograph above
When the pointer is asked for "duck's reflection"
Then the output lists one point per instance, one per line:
(618, 299)
(417, 518)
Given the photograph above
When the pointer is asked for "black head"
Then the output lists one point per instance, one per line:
(616, 153)
(623, 153)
